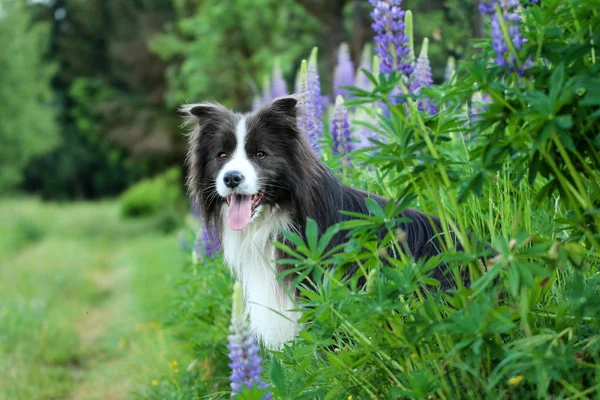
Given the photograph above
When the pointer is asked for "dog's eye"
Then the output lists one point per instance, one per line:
(222, 155)
(259, 154)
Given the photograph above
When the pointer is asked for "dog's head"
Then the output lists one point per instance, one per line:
(247, 162)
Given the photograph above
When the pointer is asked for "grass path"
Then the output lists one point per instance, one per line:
(81, 296)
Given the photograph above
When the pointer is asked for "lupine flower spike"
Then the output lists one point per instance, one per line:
(361, 79)
(278, 87)
(256, 103)
(479, 104)
(207, 244)
(422, 78)
(246, 364)
(310, 120)
(507, 39)
(340, 130)
(344, 71)
(313, 82)
(362, 133)
(304, 117)
(450, 69)
(410, 37)
(390, 39)
(266, 92)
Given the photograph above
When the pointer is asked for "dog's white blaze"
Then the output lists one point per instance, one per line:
(239, 162)
(250, 254)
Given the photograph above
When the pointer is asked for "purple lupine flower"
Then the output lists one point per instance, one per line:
(246, 364)
(278, 87)
(207, 243)
(450, 69)
(315, 100)
(511, 18)
(266, 91)
(361, 79)
(421, 77)
(195, 208)
(390, 39)
(344, 71)
(256, 103)
(479, 105)
(311, 101)
(363, 134)
(340, 130)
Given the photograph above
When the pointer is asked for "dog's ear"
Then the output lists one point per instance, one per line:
(285, 105)
(201, 111)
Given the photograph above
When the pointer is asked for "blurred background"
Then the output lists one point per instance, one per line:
(89, 88)
(93, 212)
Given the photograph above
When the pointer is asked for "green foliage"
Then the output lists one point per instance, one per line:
(27, 111)
(84, 164)
(161, 195)
(226, 46)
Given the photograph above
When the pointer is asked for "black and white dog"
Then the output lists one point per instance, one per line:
(253, 176)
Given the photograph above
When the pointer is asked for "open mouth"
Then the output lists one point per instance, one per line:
(242, 208)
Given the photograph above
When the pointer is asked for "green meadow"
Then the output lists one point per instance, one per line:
(83, 294)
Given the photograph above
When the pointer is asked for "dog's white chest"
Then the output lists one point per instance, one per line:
(250, 254)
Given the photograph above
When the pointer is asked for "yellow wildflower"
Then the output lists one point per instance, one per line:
(414, 356)
(174, 364)
(350, 397)
(154, 382)
(515, 380)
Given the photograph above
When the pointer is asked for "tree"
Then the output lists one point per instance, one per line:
(222, 48)
(27, 114)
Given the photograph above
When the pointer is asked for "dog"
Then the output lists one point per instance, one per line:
(255, 175)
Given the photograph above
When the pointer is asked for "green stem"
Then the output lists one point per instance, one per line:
(504, 28)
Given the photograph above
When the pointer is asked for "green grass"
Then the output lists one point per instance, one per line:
(82, 296)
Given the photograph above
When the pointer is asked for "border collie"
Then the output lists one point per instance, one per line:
(253, 176)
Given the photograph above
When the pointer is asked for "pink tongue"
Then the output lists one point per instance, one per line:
(240, 210)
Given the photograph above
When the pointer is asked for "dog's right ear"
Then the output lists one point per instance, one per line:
(200, 111)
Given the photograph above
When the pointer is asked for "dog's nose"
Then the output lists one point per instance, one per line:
(233, 178)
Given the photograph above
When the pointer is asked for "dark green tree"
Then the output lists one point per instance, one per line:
(27, 114)
(115, 127)
(224, 47)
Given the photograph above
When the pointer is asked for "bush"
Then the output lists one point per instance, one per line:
(161, 194)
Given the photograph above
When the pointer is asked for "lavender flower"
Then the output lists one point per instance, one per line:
(340, 130)
(421, 78)
(390, 39)
(207, 244)
(278, 87)
(361, 79)
(344, 71)
(246, 364)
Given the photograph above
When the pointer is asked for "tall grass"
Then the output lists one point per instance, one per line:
(523, 177)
